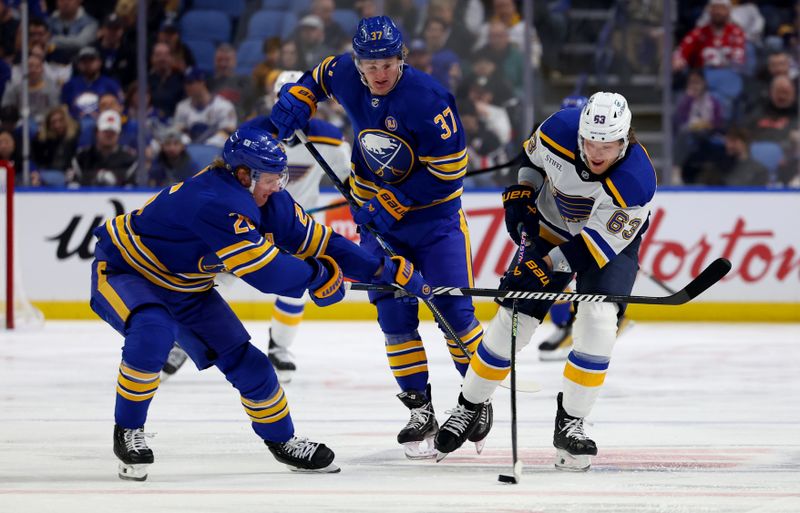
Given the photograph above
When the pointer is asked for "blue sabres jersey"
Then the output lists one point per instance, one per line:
(411, 138)
(187, 233)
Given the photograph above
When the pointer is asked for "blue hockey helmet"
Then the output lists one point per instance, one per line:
(377, 38)
(258, 151)
(574, 101)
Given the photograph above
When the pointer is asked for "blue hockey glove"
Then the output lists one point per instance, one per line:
(326, 286)
(531, 274)
(382, 211)
(398, 270)
(519, 202)
(295, 106)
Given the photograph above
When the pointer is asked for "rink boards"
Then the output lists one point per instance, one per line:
(756, 230)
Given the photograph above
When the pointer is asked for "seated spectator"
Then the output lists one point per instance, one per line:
(119, 60)
(5, 75)
(718, 44)
(506, 56)
(777, 116)
(173, 163)
(365, 8)
(698, 116)
(506, 11)
(39, 35)
(166, 84)
(336, 37)
(82, 92)
(290, 57)
(746, 15)
(72, 28)
(271, 62)
(494, 117)
(483, 147)
(227, 83)
(42, 93)
(445, 64)
(206, 118)
(182, 56)
(419, 57)
(405, 14)
(56, 73)
(735, 167)
(105, 163)
(8, 29)
(310, 39)
(55, 145)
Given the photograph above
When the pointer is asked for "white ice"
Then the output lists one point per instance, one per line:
(692, 418)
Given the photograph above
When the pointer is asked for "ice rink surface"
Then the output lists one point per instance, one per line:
(693, 418)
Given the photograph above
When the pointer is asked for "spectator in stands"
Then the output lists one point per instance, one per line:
(54, 72)
(506, 12)
(494, 117)
(118, 58)
(365, 8)
(230, 85)
(788, 173)
(105, 163)
(71, 27)
(310, 39)
(5, 75)
(55, 145)
(336, 37)
(9, 156)
(8, 29)
(736, 167)
(206, 118)
(39, 35)
(166, 84)
(746, 15)
(419, 57)
(182, 57)
(82, 92)
(483, 147)
(271, 62)
(290, 56)
(506, 56)
(404, 13)
(698, 117)
(445, 64)
(720, 43)
(43, 94)
(173, 163)
(456, 36)
(485, 73)
(777, 116)
(128, 133)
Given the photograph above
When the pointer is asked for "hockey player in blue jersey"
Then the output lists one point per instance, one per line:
(588, 184)
(153, 277)
(409, 158)
(304, 178)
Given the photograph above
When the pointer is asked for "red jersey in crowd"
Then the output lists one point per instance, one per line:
(704, 46)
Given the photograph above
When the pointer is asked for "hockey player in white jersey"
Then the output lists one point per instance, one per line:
(304, 178)
(589, 184)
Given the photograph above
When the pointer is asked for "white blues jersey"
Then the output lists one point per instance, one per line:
(208, 125)
(591, 218)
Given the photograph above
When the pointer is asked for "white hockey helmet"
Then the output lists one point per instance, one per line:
(605, 118)
(285, 77)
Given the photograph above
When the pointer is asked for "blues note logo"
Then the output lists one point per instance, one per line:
(386, 155)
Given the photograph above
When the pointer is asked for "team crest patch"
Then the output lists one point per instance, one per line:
(531, 145)
(375, 102)
(391, 123)
(585, 175)
(385, 154)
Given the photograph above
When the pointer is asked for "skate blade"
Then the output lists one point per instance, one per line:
(572, 462)
(129, 472)
(440, 456)
(330, 469)
(479, 445)
(415, 450)
(284, 376)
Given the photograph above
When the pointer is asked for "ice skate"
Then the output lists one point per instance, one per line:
(417, 436)
(484, 426)
(574, 450)
(282, 360)
(175, 359)
(134, 454)
(460, 426)
(557, 346)
(302, 455)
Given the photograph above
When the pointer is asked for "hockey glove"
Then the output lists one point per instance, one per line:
(295, 106)
(399, 271)
(519, 202)
(532, 275)
(326, 285)
(387, 207)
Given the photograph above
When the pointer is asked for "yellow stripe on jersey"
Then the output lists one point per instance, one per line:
(557, 146)
(108, 292)
(319, 73)
(251, 260)
(598, 255)
(450, 167)
(453, 195)
(462, 224)
(615, 193)
(325, 140)
(316, 241)
(583, 377)
(550, 236)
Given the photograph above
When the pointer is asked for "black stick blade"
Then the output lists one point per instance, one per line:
(708, 277)
(507, 479)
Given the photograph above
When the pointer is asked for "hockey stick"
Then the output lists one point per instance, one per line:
(666, 288)
(517, 463)
(323, 208)
(715, 271)
(532, 387)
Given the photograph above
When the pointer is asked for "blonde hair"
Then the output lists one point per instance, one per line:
(72, 125)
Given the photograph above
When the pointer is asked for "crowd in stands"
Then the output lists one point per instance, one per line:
(211, 66)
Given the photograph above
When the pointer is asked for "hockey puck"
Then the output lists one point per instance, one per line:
(507, 479)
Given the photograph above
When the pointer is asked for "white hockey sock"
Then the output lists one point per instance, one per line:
(286, 317)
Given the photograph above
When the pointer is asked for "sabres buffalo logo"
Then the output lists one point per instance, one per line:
(385, 154)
